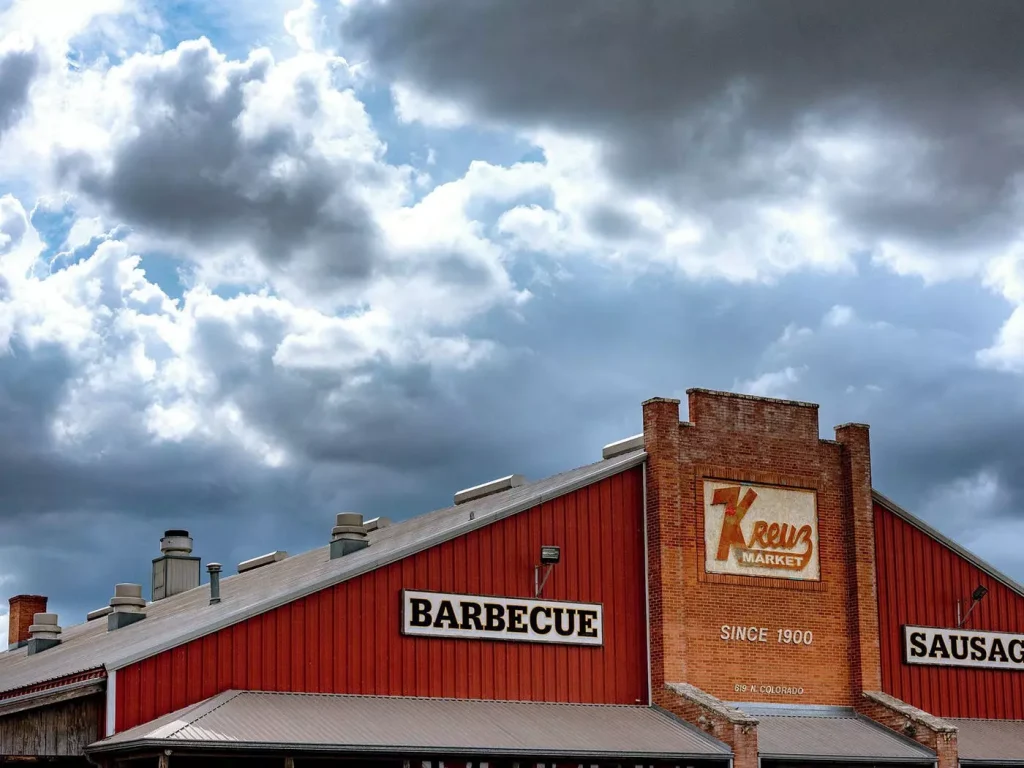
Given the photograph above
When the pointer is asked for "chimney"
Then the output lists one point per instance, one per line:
(44, 633)
(175, 570)
(127, 606)
(23, 608)
(214, 571)
(348, 534)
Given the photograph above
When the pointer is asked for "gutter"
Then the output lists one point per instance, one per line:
(75, 690)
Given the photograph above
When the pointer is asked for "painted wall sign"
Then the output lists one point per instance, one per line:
(963, 648)
(436, 614)
(757, 530)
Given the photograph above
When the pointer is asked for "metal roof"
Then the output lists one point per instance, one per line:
(967, 555)
(990, 741)
(188, 615)
(254, 720)
(830, 733)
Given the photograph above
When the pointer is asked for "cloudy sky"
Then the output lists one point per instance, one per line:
(261, 262)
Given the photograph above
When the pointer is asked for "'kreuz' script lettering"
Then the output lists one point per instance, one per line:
(771, 544)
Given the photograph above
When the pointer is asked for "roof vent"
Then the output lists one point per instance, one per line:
(348, 534)
(175, 571)
(619, 447)
(376, 524)
(126, 606)
(495, 486)
(99, 613)
(44, 633)
(267, 559)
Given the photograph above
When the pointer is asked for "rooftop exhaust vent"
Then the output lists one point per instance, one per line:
(126, 606)
(44, 633)
(619, 447)
(99, 613)
(376, 524)
(348, 535)
(267, 559)
(176, 570)
(495, 486)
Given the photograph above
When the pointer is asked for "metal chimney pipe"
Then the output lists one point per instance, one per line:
(214, 571)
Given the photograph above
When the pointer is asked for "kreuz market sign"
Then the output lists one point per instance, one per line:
(758, 530)
(963, 648)
(435, 614)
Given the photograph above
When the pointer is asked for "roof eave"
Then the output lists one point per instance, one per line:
(391, 749)
(967, 555)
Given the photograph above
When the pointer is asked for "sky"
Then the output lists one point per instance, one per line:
(263, 262)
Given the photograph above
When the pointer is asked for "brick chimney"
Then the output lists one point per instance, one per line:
(23, 609)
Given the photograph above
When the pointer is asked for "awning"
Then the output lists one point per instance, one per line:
(830, 734)
(990, 742)
(330, 723)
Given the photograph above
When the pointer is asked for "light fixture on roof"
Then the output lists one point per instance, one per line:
(550, 556)
(976, 597)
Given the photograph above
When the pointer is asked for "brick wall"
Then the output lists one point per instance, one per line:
(23, 609)
(767, 442)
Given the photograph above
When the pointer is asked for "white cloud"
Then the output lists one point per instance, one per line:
(1007, 351)
(839, 315)
(414, 106)
(772, 384)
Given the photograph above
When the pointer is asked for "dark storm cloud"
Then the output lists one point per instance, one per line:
(188, 171)
(18, 68)
(702, 100)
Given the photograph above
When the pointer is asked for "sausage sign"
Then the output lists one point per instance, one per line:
(434, 614)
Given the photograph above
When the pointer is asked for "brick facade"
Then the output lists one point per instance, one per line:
(23, 609)
(753, 440)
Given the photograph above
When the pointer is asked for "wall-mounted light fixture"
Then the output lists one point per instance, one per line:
(550, 557)
(976, 597)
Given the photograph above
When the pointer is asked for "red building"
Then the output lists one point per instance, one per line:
(723, 591)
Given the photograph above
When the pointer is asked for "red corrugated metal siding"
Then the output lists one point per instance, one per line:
(919, 582)
(346, 639)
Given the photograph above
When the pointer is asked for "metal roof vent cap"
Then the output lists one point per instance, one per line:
(176, 543)
(44, 632)
(127, 606)
(348, 534)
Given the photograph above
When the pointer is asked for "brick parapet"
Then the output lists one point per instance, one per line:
(726, 723)
(926, 729)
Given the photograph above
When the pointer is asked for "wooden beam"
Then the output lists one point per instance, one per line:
(47, 698)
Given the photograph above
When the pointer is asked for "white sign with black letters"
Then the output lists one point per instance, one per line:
(475, 617)
(963, 648)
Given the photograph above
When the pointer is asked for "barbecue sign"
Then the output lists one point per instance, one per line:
(963, 648)
(474, 617)
(756, 530)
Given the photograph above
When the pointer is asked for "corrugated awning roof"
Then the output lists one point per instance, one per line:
(183, 617)
(998, 742)
(338, 723)
(832, 734)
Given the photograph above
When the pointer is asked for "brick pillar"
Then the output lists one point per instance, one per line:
(713, 716)
(859, 506)
(23, 609)
(933, 732)
(664, 543)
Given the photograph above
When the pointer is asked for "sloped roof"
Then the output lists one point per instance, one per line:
(314, 722)
(990, 741)
(180, 618)
(830, 733)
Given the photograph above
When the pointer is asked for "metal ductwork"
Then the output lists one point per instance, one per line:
(44, 633)
(176, 570)
(348, 534)
(126, 606)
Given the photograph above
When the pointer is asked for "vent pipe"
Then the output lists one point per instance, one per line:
(348, 534)
(126, 606)
(44, 633)
(214, 570)
(176, 570)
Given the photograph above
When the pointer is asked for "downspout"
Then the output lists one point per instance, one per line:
(109, 720)
(647, 592)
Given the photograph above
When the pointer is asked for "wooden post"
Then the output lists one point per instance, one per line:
(289, 762)
(164, 761)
